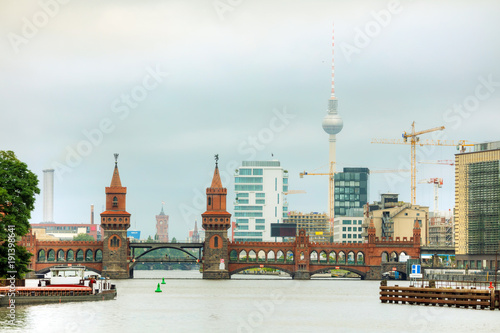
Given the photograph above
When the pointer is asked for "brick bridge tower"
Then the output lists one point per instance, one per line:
(216, 222)
(115, 221)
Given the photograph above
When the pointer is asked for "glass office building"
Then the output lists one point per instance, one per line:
(351, 191)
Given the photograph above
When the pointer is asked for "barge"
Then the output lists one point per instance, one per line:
(66, 284)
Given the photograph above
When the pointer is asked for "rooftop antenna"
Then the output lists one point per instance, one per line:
(333, 63)
(116, 159)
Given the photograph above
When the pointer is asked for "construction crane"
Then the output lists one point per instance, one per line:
(389, 171)
(331, 198)
(442, 162)
(438, 183)
(414, 140)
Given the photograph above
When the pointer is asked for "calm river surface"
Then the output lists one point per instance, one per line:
(245, 304)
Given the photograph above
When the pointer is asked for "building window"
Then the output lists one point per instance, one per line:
(248, 187)
(245, 172)
(260, 227)
(257, 172)
(209, 201)
(260, 201)
(216, 241)
(115, 202)
(260, 195)
(114, 241)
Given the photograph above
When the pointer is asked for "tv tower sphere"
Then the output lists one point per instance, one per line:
(332, 124)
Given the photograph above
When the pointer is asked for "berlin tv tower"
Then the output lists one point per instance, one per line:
(332, 124)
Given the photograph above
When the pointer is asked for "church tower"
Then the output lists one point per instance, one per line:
(162, 226)
(216, 222)
(115, 221)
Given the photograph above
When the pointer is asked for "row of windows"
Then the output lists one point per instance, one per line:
(351, 236)
(242, 227)
(241, 195)
(248, 180)
(248, 188)
(248, 239)
(238, 221)
(260, 201)
(351, 176)
(260, 195)
(248, 214)
(355, 204)
(247, 207)
(352, 222)
(260, 220)
(353, 229)
(260, 227)
(248, 233)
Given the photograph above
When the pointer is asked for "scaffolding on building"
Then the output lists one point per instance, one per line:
(484, 207)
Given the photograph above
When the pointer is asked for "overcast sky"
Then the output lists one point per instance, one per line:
(168, 84)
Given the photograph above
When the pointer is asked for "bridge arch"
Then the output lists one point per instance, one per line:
(341, 257)
(280, 256)
(351, 259)
(250, 266)
(233, 255)
(394, 257)
(61, 256)
(323, 257)
(51, 255)
(98, 255)
(353, 270)
(332, 257)
(360, 258)
(243, 256)
(165, 247)
(41, 255)
(271, 256)
(79, 255)
(252, 256)
(384, 257)
(261, 256)
(313, 256)
(89, 255)
(289, 256)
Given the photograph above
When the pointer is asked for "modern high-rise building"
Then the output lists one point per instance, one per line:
(351, 191)
(260, 199)
(162, 226)
(477, 206)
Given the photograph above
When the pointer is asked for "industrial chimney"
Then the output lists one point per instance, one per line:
(48, 195)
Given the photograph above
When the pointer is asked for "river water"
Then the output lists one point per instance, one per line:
(245, 304)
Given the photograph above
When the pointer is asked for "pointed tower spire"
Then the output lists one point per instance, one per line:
(216, 182)
(115, 181)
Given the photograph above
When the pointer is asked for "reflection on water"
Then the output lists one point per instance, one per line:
(244, 304)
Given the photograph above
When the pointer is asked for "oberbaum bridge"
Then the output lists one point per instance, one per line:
(114, 255)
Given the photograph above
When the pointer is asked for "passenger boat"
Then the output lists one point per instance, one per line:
(65, 284)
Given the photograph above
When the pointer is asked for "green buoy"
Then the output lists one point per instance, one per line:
(163, 281)
(158, 290)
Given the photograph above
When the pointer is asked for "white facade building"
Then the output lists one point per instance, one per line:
(347, 229)
(260, 199)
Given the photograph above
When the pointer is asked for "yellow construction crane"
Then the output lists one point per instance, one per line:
(414, 140)
(389, 171)
(442, 162)
(331, 192)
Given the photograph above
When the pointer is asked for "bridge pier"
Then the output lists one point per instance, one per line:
(302, 275)
(216, 275)
(375, 273)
